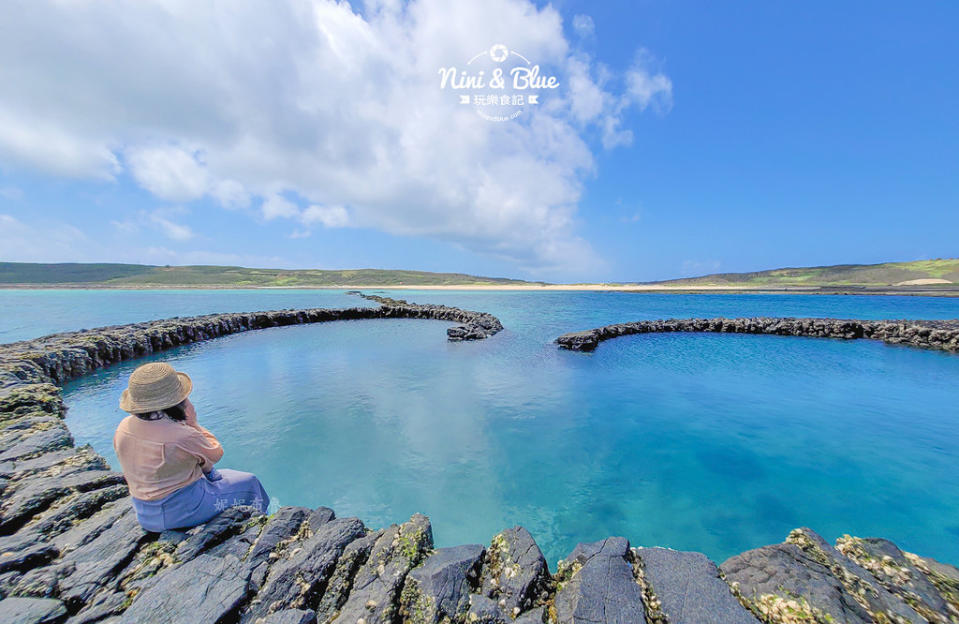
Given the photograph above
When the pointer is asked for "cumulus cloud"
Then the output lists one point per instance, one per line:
(168, 172)
(328, 216)
(277, 206)
(584, 25)
(318, 113)
(648, 88)
(230, 194)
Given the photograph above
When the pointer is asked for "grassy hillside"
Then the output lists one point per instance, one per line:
(941, 274)
(133, 275)
(69, 273)
(886, 274)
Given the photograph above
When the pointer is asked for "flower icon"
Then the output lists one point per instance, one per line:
(498, 53)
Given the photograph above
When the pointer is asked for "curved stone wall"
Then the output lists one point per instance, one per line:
(61, 357)
(72, 551)
(942, 335)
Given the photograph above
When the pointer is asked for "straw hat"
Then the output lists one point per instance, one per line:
(155, 386)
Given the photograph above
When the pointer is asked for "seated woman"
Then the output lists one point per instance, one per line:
(167, 457)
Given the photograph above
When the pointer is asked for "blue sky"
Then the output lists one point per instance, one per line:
(685, 137)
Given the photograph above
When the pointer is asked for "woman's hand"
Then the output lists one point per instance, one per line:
(190, 412)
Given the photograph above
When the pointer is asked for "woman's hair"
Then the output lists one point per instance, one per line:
(175, 412)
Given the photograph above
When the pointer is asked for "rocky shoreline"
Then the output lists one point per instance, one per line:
(72, 551)
(61, 357)
(940, 335)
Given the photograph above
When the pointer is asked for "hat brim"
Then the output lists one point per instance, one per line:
(127, 404)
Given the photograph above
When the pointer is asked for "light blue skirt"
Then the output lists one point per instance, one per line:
(202, 500)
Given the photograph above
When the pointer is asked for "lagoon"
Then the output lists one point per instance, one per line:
(717, 443)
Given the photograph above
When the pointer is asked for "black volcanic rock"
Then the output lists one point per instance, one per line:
(781, 579)
(515, 574)
(290, 616)
(439, 588)
(597, 586)
(689, 589)
(941, 335)
(932, 595)
(31, 611)
(298, 577)
(859, 582)
(206, 589)
(375, 594)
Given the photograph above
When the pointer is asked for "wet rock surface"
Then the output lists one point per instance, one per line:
(72, 551)
(941, 335)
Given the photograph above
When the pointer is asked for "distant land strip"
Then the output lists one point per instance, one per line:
(938, 277)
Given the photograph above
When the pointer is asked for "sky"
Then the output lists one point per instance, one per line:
(682, 138)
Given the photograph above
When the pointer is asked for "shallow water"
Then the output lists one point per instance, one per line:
(717, 443)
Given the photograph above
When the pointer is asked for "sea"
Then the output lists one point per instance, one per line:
(708, 442)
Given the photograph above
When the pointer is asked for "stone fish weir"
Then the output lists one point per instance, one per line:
(72, 551)
(942, 335)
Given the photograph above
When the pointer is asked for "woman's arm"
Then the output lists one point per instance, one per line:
(203, 444)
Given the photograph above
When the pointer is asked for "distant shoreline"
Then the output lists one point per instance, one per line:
(633, 288)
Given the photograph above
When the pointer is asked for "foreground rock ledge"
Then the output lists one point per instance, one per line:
(72, 551)
(941, 335)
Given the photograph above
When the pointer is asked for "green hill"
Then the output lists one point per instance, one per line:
(929, 275)
(141, 275)
(940, 273)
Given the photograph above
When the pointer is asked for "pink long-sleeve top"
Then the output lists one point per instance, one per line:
(161, 456)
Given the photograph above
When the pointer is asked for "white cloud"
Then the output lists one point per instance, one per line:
(161, 220)
(168, 172)
(326, 106)
(276, 206)
(230, 194)
(126, 227)
(171, 229)
(49, 240)
(584, 25)
(328, 216)
(648, 88)
(27, 139)
(591, 102)
(587, 98)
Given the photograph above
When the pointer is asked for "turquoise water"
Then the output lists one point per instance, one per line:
(717, 443)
